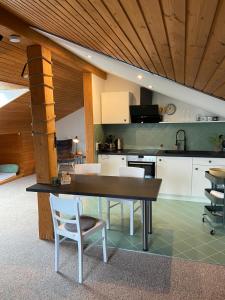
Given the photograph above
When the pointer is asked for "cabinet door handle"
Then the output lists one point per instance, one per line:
(210, 161)
(125, 120)
(160, 159)
(122, 158)
(196, 169)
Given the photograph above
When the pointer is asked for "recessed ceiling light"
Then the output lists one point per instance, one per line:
(150, 86)
(13, 38)
(140, 76)
(89, 56)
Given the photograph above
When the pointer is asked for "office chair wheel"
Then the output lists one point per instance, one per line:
(212, 232)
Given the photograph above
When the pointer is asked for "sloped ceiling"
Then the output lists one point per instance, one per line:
(183, 40)
(68, 85)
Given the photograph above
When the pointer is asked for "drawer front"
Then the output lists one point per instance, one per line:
(207, 161)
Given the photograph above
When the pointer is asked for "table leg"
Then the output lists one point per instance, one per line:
(145, 211)
(150, 217)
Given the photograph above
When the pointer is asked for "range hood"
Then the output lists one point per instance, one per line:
(145, 112)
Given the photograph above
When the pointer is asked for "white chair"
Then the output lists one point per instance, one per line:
(89, 169)
(78, 228)
(126, 172)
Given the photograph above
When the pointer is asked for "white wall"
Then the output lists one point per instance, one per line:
(184, 112)
(71, 126)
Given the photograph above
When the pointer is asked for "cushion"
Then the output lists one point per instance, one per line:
(9, 168)
(64, 148)
(86, 223)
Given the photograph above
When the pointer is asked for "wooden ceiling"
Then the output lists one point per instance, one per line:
(68, 85)
(183, 40)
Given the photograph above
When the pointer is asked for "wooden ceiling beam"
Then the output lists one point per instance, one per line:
(16, 24)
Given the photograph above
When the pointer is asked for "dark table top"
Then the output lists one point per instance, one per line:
(105, 186)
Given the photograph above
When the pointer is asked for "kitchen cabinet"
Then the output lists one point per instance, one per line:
(115, 107)
(110, 164)
(200, 165)
(176, 173)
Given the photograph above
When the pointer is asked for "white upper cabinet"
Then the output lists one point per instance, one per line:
(115, 107)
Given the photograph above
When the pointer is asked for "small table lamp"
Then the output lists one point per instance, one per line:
(76, 141)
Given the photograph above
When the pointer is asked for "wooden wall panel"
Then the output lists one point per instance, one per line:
(17, 148)
(27, 154)
(182, 40)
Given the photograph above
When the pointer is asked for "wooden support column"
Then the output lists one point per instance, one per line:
(88, 113)
(43, 126)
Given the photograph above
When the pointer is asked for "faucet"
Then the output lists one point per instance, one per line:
(179, 140)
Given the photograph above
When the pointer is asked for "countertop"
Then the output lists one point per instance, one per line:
(153, 152)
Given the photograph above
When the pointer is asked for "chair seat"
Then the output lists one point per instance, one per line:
(86, 223)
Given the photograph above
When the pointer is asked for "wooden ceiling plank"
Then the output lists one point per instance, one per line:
(107, 31)
(200, 17)
(220, 92)
(111, 21)
(174, 17)
(214, 51)
(120, 16)
(153, 16)
(35, 22)
(15, 23)
(88, 26)
(51, 17)
(33, 19)
(11, 80)
(136, 18)
(217, 80)
(82, 35)
(10, 46)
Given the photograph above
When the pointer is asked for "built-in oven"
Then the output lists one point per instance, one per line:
(143, 161)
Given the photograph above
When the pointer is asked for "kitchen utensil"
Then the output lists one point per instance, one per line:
(118, 143)
(217, 172)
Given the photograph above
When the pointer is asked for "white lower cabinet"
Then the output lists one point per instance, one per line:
(110, 164)
(199, 182)
(176, 173)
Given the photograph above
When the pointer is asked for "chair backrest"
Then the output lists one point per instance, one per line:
(62, 210)
(131, 172)
(64, 148)
(88, 168)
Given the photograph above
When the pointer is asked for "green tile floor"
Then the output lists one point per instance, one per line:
(178, 231)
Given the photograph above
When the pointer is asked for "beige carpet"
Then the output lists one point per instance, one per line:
(26, 264)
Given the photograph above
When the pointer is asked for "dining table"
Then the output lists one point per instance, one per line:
(144, 189)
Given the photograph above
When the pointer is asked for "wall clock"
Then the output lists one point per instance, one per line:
(170, 109)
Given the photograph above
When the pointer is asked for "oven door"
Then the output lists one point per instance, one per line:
(147, 165)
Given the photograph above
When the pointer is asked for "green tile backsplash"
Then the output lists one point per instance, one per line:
(142, 136)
